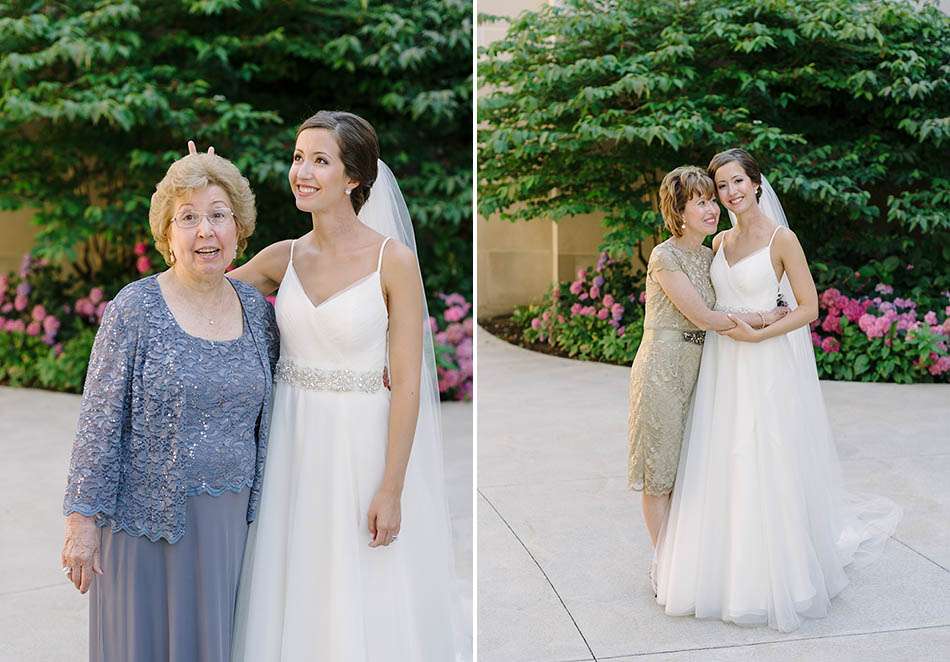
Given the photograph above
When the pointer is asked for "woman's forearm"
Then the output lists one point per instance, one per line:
(799, 317)
(403, 414)
(719, 321)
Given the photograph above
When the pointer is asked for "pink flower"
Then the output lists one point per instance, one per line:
(576, 309)
(34, 328)
(829, 297)
(576, 287)
(20, 302)
(58, 348)
(465, 349)
(930, 318)
(433, 324)
(143, 264)
(141, 248)
(815, 339)
(454, 299)
(449, 379)
(100, 310)
(616, 311)
(96, 295)
(469, 326)
(595, 292)
(603, 314)
(814, 324)
(584, 296)
(946, 311)
(454, 314)
(50, 325)
(854, 309)
(868, 324)
(621, 331)
(7, 307)
(39, 312)
(581, 274)
(904, 303)
(455, 332)
(561, 320)
(590, 311)
(830, 345)
(841, 302)
(17, 326)
(599, 282)
(84, 307)
(941, 366)
(601, 262)
(832, 324)
(909, 267)
(546, 315)
(608, 300)
(643, 297)
(883, 288)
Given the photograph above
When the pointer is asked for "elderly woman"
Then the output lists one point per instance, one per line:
(168, 458)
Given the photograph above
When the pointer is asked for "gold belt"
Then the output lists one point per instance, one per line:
(695, 337)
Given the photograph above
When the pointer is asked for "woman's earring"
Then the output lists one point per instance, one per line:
(349, 191)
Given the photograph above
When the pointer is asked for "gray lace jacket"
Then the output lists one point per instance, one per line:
(165, 415)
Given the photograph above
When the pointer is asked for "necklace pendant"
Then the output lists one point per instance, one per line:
(211, 322)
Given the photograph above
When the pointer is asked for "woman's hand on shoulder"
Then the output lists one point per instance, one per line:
(266, 270)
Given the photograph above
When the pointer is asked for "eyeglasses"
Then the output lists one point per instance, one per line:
(190, 219)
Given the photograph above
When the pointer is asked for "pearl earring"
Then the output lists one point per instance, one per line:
(349, 191)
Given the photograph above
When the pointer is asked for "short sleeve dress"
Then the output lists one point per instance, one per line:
(664, 371)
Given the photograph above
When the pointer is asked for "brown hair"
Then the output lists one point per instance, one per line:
(678, 187)
(359, 148)
(744, 159)
(193, 173)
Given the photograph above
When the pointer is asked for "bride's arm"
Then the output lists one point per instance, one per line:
(266, 269)
(403, 289)
(681, 292)
(793, 260)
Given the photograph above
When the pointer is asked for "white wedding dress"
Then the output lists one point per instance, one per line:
(760, 529)
(312, 589)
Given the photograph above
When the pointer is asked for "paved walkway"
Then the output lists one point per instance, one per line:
(563, 554)
(44, 619)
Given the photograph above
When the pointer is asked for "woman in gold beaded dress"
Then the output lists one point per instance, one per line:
(679, 302)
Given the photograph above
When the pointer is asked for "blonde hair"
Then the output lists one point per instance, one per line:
(678, 187)
(193, 173)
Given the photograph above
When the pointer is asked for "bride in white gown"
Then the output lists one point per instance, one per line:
(760, 528)
(350, 558)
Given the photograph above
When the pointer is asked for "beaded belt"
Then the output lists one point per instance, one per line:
(695, 337)
(320, 379)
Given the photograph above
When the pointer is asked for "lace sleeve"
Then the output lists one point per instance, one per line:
(93, 479)
(662, 260)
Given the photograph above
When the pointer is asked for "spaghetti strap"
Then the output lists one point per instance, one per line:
(379, 261)
(292, 242)
(774, 232)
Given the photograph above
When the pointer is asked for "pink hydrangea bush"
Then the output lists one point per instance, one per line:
(880, 338)
(598, 316)
(453, 328)
(48, 320)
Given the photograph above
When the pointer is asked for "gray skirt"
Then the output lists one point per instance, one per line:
(162, 602)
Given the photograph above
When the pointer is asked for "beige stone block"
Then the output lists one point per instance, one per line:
(494, 234)
(510, 278)
(16, 237)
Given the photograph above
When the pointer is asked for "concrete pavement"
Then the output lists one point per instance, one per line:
(42, 617)
(563, 555)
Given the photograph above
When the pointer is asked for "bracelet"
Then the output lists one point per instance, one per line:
(762, 318)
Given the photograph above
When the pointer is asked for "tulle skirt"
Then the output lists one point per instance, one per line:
(312, 589)
(760, 527)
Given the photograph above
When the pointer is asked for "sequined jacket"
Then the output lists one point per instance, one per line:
(126, 469)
